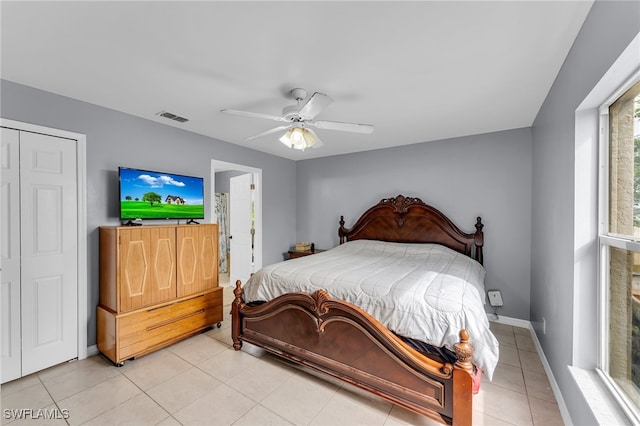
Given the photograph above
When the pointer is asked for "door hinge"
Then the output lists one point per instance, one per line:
(252, 186)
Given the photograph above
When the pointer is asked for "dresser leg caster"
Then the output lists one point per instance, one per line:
(219, 325)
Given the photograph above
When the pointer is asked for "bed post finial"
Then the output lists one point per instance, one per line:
(341, 230)
(464, 351)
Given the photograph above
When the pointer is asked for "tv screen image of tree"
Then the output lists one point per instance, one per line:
(154, 195)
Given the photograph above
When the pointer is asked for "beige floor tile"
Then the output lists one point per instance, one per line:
(228, 364)
(140, 410)
(99, 399)
(509, 377)
(224, 339)
(169, 421)
(221, 406)
(521, 330)
(223, 333)
(19, 384)
(545, 413)
(501, 328)
(509, 355)
(197, 349)
(182, 389)
(525, 342)
(259, 415)
(153, 369)
(300, 398)
(538, 386)
(401, 416)
(79, 376)
(505, 339)
(58, 369)
(349, 408)
(32, 397)
(503, 404)
(261, 378)
(482, 419)
(531, 361)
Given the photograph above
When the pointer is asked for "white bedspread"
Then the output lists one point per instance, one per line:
(421, 291)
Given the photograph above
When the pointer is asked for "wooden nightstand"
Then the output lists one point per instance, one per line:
(293, 254)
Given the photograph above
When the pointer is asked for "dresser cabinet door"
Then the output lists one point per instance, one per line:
(197, 258)
(147, 266)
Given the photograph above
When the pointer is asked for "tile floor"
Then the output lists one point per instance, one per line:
(203, 381)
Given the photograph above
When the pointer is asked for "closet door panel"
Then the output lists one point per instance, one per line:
(10, 232)
(49, 240)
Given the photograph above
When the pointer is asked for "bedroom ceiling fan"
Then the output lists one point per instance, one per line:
(298, 118)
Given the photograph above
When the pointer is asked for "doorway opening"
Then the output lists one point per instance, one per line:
(237, 209)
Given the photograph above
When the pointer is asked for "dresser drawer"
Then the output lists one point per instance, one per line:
(144, 331)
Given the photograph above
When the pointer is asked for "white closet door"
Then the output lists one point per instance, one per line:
(10, 232)
(48, 250)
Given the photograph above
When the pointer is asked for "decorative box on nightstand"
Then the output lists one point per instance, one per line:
(293, 253)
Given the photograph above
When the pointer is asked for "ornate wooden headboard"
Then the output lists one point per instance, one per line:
(409, 220)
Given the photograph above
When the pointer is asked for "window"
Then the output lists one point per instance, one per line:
(619, 360)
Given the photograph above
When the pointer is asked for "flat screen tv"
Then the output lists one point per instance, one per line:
(145, 194)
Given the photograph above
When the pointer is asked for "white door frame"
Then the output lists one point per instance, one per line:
(81, 152)
(219, 166)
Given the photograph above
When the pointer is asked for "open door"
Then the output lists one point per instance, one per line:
(241, 228)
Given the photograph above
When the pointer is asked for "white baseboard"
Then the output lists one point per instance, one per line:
(564, 412)
(517, 322)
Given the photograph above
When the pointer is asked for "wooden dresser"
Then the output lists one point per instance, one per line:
(158, 285)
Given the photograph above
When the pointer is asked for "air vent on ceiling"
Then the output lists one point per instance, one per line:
(173, 117)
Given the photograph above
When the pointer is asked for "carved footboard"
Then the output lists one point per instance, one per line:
(343, 341)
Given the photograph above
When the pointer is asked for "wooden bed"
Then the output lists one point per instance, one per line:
(343, 341)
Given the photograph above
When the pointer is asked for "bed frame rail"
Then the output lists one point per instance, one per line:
(343, 341)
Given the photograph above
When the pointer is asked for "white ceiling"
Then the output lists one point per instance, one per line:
(418, 71)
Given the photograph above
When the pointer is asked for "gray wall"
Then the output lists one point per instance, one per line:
(608, 29)
(116, 139)
(223, 182)
(486, 175)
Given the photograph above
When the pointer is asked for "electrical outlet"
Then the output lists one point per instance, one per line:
(495, 298)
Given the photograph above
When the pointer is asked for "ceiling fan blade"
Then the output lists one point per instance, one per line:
(268, 132)
(316, 103)
(346, 127)
(252, 114)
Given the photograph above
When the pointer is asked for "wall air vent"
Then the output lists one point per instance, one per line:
(173, 117)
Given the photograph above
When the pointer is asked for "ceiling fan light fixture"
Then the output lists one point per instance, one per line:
(299, 138)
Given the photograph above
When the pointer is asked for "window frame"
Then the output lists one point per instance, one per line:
(607, 240)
